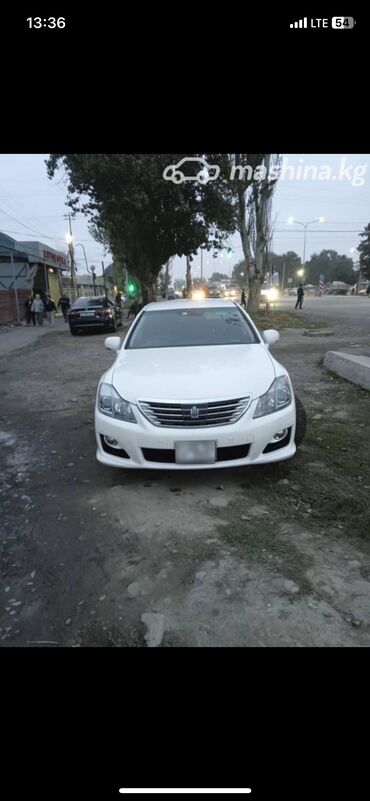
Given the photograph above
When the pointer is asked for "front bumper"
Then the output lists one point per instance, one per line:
(136, 439)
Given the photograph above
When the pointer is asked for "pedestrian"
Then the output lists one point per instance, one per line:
(368, 290)
(64, 304)
(50, 310)
(29, 314)
(243, 300)
(118, 299)
(300, 295)
(38, 309)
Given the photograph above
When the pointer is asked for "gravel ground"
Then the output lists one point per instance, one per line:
(272, 556)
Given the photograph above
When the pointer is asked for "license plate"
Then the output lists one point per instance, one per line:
(86, 314)
(202, 452)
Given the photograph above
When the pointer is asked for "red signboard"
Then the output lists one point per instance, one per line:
(50, 256)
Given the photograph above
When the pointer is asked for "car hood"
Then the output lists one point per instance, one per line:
(193, 374)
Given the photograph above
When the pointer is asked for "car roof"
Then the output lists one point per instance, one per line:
(92, 297)
(190, 304)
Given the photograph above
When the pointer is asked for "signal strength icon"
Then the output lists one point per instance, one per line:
(302, 23)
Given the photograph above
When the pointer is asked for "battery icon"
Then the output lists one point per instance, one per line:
(342, 22)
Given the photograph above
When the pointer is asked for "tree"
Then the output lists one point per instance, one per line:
(364, 251)
(253, 177)
(286, 265)
(240, 273)
(218, 277)
(331, 265)
(116, 273)
(143, 218)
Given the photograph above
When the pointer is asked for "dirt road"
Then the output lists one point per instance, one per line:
(272, 556)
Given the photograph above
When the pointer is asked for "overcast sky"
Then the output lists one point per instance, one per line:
(29, 200)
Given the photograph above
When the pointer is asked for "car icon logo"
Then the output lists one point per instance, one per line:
(194, 412)
(206, 173)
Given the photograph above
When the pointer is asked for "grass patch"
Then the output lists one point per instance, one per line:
(284, 319)
(257, 541)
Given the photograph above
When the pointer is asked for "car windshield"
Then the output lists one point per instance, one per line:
(178, 328)
(88, 303)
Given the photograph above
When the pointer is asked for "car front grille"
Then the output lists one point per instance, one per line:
(194, 415)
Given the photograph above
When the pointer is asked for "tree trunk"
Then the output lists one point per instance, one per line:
(188, 276)
(254, 293)
(145, 294)
(167, 277)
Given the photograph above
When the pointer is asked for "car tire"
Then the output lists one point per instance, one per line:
(301, 421)
(73, 331)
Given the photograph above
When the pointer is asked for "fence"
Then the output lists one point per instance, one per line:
(8, 305)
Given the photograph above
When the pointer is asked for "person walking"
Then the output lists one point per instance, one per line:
(300, 296)
(50, 310)
(29, 314)
(243, 301)
(38, 309)
(64, 304)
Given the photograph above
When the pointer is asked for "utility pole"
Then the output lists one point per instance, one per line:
(15, 290)
(91, 271)
(201, 265)
(188, 276)
(104, 284)
(72, 260)
(282, 284)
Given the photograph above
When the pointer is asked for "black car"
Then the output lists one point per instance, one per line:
(93, 313)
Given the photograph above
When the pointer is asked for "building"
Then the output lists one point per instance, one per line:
(84, 285)
(27, 267)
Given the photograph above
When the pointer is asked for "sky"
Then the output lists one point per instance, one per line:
(30, 200)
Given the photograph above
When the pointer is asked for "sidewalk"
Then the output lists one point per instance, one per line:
(12, 339)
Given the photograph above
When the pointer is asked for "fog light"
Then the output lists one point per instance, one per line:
(279, 435)
(111, 442)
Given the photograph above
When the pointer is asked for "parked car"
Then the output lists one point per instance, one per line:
(194, 386)
(94, 313)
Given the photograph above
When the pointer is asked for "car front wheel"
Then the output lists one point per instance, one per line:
(301, 421)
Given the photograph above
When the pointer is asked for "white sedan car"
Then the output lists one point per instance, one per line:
(194, 386)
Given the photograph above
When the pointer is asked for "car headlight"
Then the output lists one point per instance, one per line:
(277, 397)
(111, 404)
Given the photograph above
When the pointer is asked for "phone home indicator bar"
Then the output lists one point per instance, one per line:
(184, 790)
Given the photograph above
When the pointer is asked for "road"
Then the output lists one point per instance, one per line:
(272, 556)
(351, 314)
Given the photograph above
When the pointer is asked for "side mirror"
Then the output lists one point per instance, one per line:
(270, 336)
(112, 343)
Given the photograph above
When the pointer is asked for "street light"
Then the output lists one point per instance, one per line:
(79, 245)
(305, 226)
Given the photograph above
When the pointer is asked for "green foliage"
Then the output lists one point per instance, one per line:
(330, 264)
(364, 250)
(292, 263)
(142, 218)
(238, 269)
(218, 277)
